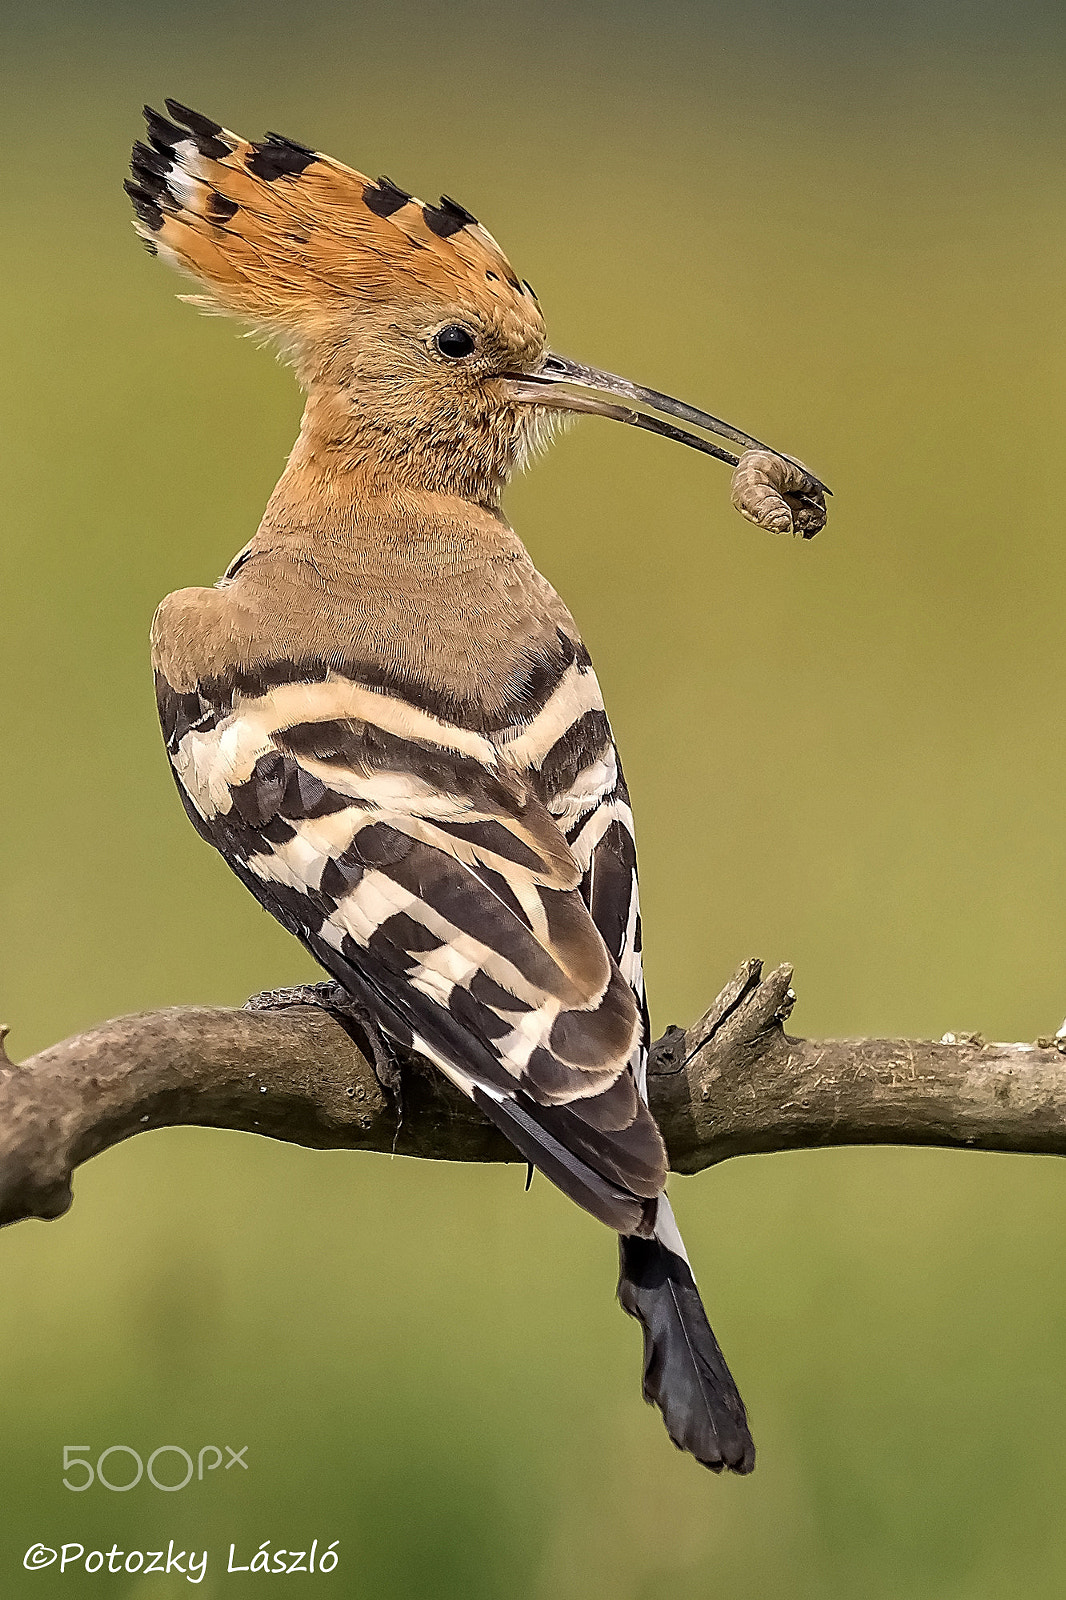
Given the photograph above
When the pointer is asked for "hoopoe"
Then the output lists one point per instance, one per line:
(384, 718)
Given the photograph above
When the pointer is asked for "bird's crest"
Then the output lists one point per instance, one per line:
(286, 237)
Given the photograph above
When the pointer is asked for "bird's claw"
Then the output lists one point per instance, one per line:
(334, 998)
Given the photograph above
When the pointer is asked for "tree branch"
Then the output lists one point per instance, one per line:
(293, 1065)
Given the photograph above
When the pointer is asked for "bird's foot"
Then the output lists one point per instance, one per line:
(301, 994)
(353, 1017)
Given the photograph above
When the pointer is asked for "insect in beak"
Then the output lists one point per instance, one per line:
(562, 385)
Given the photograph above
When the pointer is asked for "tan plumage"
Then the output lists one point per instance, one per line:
(372, 566)
(383, 716)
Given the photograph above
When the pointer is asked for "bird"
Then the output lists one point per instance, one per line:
(384, 718)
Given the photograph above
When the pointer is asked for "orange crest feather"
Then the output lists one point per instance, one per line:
(288, 238)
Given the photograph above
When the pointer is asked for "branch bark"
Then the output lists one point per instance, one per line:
(293, 1066)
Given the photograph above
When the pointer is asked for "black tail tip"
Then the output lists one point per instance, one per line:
(685, 1373)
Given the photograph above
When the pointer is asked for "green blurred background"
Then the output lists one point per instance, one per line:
(842, 229)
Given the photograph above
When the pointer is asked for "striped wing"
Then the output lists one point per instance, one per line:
(427, 867)
(579, 776)
(595, 812)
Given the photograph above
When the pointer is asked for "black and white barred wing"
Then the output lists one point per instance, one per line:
(574, 764)
(424, 873)
(604, 847)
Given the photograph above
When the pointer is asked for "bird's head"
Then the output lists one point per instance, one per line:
(423, 353)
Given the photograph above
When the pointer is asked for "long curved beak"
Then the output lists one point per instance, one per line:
(563, 385)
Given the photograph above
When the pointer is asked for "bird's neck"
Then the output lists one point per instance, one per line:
(351, 456)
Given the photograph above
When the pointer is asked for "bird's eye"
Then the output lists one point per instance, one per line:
(454, 342)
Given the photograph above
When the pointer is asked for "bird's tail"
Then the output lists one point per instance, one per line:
(685, 1373)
